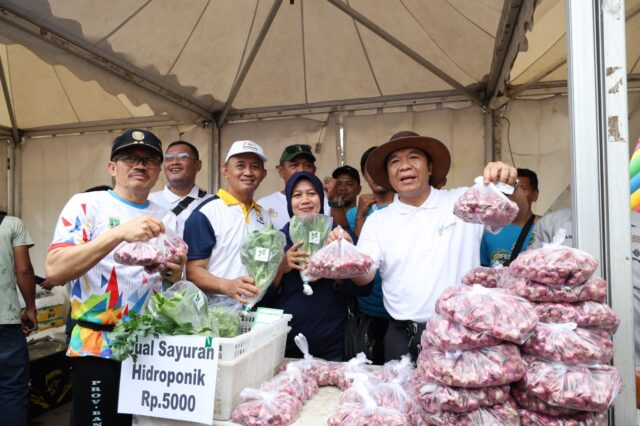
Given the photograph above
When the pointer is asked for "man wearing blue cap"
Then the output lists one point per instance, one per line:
(90, 228)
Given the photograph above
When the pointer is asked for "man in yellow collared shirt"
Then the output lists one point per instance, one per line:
(218, 227)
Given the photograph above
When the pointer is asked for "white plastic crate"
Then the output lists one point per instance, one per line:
(248, 360)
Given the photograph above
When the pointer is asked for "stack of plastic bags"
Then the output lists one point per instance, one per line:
(568, 379)
(469, 357)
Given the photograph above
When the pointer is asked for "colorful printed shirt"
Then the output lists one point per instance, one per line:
(109, 290)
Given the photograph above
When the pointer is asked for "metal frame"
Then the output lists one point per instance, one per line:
(247, 65)
(100, 126)
(16, 20)
(15, 132)
(357, 16)
(215, 160)
(598, 114)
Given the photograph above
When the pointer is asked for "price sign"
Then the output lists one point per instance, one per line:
(174, 377)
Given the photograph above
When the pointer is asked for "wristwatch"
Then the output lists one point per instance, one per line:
(337, 203)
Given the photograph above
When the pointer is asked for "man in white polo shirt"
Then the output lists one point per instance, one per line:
(181, 195)
(421, 246)
(218, 227)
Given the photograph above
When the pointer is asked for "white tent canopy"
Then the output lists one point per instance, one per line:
(212, 71)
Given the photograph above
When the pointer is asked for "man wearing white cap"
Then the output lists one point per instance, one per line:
(218, 227)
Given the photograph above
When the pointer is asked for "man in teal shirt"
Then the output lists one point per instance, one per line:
(370, 308)
(17, 272)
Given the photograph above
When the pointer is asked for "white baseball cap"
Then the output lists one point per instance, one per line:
(247, 146)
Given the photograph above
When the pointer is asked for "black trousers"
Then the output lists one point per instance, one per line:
(403, 337)
(95, 384)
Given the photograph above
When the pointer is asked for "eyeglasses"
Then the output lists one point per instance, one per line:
(180, 156)
(134, 160)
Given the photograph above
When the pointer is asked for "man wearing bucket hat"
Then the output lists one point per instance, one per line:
(89, 229)
(422, 248)
(217, 228)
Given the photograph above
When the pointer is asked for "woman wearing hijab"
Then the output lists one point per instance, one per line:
(320, 316)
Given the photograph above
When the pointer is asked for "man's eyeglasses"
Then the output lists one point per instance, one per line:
(180, 156)
(134, 160)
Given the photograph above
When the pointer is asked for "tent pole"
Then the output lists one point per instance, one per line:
(341, 153)
(600, 175)
(247, 64)
(363, 20)
(16, 20)
(489, 136)
(15, 133)
(11, 156)
(214, 158)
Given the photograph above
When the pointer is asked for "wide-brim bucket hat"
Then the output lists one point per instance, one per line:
(438, 152)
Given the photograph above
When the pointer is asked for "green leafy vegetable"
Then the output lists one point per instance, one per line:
(227, 321)
(262, 253)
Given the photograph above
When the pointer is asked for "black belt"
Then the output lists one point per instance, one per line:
(94, 326)
(411, 326)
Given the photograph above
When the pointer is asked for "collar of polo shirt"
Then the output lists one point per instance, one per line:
(230, 200)
(432, 202)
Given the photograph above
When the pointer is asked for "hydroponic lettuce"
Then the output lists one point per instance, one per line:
(181, 310)
(227, 321)
(261, 254)
(312, 230)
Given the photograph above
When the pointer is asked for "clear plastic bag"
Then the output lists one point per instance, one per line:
(325, 373)
(531, 418)
(529, 401)
(491, 310)
(570, 344)
(594, 289)
(434, 397)
(348, 370)
(262, 407)
(368, 412)
(484, 276)
(487, 205)
(445, 334)
(294, 382)
(555, 264)
(579, 387)
(312, 230)
(339, 260)
(261, 254)
(492, 366)
(397, 370)
(226, 320)
(387, 394)
(168, 247)
(498, 415)
(182, 304)
(584, 314)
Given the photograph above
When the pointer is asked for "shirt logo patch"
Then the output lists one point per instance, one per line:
(635, 239)
(440, 230)
(114, 221)
(272, 212)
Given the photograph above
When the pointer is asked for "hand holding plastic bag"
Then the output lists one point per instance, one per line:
(312, 230)
(154, 254)
(487, 205)
(339, 259)
(261, 254)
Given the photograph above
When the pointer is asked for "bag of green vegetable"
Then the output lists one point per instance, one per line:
(312, 230)
(261, 254)
(226, 320)
(181, 304)
(179, 310)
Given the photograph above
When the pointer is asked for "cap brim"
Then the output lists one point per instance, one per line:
(376, 164)
(137, 144)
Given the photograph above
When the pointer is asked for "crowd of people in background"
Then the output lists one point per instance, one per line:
(404, 223)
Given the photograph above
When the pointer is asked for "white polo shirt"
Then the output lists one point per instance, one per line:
(169, 200)
(217, 229)
(421, 250)
(275, 205)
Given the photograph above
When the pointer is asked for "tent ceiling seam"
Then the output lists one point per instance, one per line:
(64, 90)
(544, 53)
(471, 93)
(7, 75)
(124, 106)
(430, 37)
(246, 42)
(15, 132)
(184, 45)
(470, 21)
(235, 89)
(304, 53)
(123, 23)
(630, 71)
(366, 55)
